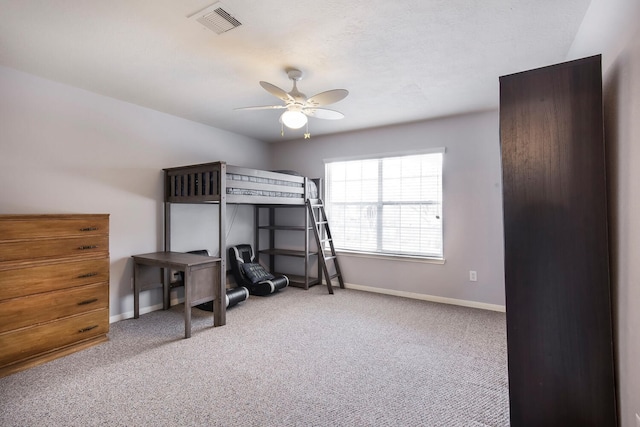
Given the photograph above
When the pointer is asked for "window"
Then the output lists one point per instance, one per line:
(389, 205)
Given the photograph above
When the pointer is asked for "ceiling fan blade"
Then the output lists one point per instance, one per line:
(276, 91)
(323, 113)
(328, 97)
(263, 107)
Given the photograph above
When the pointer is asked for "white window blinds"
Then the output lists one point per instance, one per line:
(388, 205)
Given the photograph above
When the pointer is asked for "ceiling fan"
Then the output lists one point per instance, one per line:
(298, 106)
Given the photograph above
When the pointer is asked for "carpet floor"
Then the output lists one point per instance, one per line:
(296, 358)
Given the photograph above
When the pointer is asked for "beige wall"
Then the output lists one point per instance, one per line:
(622, 132)
(472, 205)
(610, 27)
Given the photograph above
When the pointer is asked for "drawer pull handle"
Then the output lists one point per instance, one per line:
(85, 247)
(88, 328)
(89, 229)
(88, 301)
(84, 276)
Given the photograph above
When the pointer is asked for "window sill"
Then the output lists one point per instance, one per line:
(403, 258)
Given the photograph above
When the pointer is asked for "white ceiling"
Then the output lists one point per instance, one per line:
(401, 61)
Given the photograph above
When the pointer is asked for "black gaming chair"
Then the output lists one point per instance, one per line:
(251, 274)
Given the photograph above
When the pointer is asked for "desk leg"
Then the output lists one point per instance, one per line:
(187, 303)
(136, 290)
(166, 288)
(219, 303)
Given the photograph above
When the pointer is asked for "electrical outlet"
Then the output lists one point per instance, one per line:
(473, 276)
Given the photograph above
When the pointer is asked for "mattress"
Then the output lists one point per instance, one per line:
(312, 189)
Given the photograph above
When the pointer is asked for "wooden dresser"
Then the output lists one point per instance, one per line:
(54, 287)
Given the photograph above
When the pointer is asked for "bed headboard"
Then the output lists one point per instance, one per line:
(195, 184)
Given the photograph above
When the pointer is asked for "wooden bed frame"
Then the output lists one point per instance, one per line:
(219, 183)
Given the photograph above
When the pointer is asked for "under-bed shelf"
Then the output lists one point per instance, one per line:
(285, 227)
(288, 252)
(299, 250)
(298, 281)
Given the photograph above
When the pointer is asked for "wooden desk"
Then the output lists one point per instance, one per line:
(195, 291)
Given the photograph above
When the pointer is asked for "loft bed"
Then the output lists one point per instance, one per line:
(219, 183)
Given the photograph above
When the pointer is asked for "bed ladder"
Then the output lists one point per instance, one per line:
(323, 235)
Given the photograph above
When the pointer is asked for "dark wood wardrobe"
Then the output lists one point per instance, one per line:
(559, 320)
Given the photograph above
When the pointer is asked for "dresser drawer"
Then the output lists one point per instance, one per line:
(47, 248)
(20, 312)
(16, 227)
(24, 343)
(24, 281)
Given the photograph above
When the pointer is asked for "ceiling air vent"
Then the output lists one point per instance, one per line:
(216, 18)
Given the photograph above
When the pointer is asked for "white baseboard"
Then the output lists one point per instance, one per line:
(143, 310)
(424, 297)
(412, 295)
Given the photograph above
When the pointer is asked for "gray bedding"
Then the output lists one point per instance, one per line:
(312, 190)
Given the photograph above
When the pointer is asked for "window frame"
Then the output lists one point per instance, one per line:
(431, 258)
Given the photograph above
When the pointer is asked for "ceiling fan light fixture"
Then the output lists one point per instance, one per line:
(297, 106)
(293, 119)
